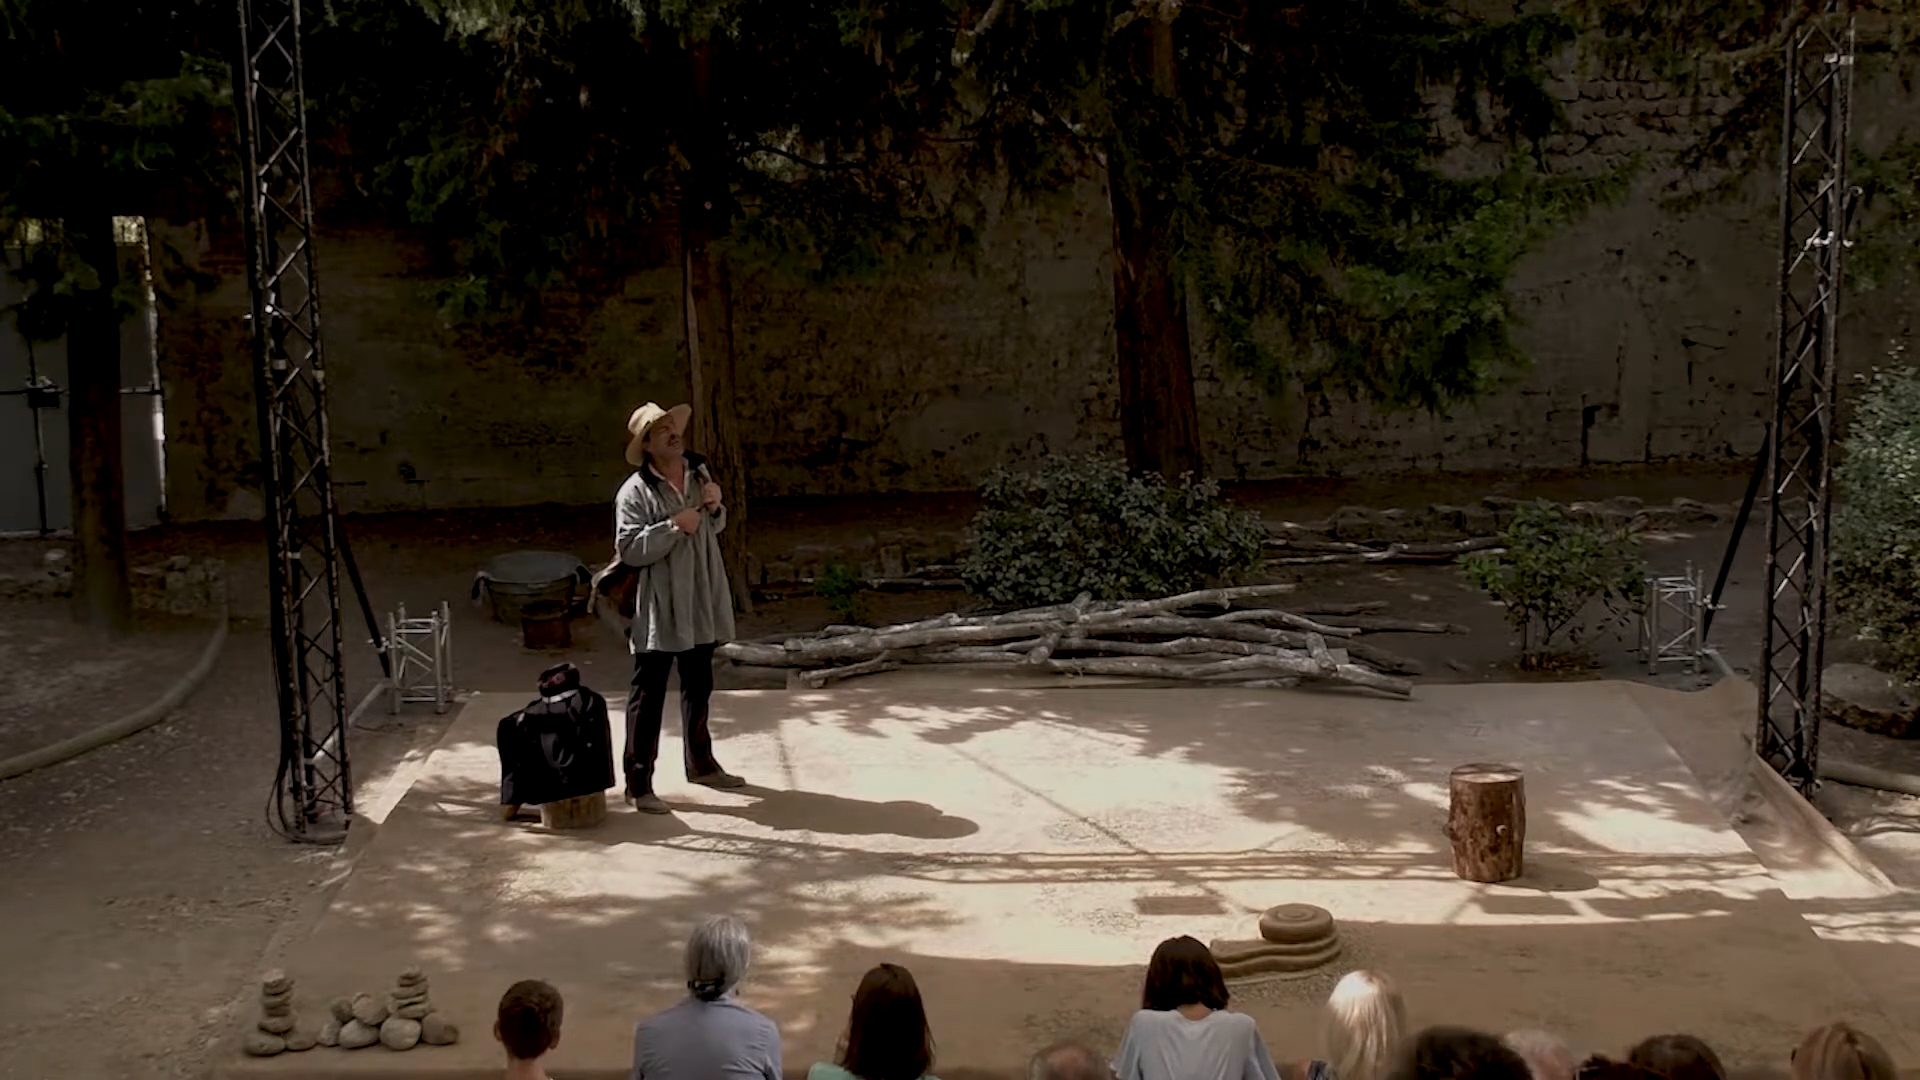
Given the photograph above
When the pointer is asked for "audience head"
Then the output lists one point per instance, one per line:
(1448, 1053)
(1677, 1057)
(1599, 1067)
(1068, 1061)
(717, 957)
(529, 1020)
(1547, 1056)
(1839, 1052)
(1365, 1023)
(887, 1034)
(1183, 972)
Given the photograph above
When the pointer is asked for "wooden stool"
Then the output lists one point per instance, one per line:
(1487, 822)
(582, 813)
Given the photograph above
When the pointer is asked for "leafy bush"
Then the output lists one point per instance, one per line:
(842, 588)
(1085, 524)
(1876, 528)
(1553, 568)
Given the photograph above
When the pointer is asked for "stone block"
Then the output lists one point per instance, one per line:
(893, 562)
(781, 573)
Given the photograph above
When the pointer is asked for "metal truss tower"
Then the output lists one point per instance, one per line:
(313, 793)
(1815, 203)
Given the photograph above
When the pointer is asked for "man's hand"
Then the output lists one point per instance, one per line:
(687, 521)
(710, 494)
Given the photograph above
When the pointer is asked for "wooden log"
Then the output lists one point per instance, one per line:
(1390, 662)
(1375, 624)
(582, 813)
(824, 676)
(1289, 619)
(1362, 607)
(1487, 822)
(1305, 667)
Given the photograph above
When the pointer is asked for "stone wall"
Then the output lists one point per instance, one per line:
(1649, 330)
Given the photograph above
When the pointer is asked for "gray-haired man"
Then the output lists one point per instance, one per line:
(667, 519)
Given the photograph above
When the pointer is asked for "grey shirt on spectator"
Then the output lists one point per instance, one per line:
(1219, 1046)
(706, 1040)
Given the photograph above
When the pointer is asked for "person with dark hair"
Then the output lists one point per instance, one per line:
(1183, 1030)
(1068, 1060)
(1601, 1067)
(710, 1035)
(1677, 1057)
(528, 1025)
(1449, 1053)
(887, 1034)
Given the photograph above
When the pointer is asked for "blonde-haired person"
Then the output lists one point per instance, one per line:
(1841, 1052)
(1363, 1028)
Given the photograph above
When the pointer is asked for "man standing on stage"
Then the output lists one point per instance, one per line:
(667, 520)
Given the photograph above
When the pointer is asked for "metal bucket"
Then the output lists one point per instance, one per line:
(512, 582)
(543, 626)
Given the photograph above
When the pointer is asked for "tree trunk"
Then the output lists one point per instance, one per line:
(707, 293)
(1158, 423)
(583, 812)
(102, 599)
(1487, 822)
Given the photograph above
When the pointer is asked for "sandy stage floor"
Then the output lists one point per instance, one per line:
(1023, 851)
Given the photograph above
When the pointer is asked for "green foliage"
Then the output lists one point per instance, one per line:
(1887, 251)
(842, 587)
(104, 107)
(546, 145)
(1551, 572)
(1078, 524)
(1353, 183)
(1876, 531)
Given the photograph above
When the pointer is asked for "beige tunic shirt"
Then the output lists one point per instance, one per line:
(683, 598)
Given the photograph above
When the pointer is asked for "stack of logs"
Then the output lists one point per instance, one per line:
(1166, 638)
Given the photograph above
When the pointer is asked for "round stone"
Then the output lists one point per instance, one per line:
(342, 1009)
(369, 1010)
(399, 1033)
(436, 1031)
(261, 1044)
(354, 1035)
(278, 1025)
(417, 1010)
(330, 1033)
(305, 1038)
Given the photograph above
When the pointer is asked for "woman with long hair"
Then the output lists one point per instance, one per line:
(1363, 1028)
(1183, 1030)
(887, 1034)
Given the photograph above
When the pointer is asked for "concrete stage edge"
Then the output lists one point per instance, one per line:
(1022, 851)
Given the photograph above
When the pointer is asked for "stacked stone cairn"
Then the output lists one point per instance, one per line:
(403, 1020)
(278, 1030)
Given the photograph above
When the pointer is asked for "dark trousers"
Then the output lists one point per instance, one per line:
(649, 701)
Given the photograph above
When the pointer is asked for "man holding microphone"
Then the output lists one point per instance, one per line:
(667, 520)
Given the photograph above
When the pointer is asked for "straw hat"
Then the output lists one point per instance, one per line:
(642, 421)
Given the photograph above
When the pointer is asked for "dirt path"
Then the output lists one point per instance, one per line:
(141, 882)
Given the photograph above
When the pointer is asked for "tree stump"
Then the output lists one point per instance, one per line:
(581, 813)
(1487, 822)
